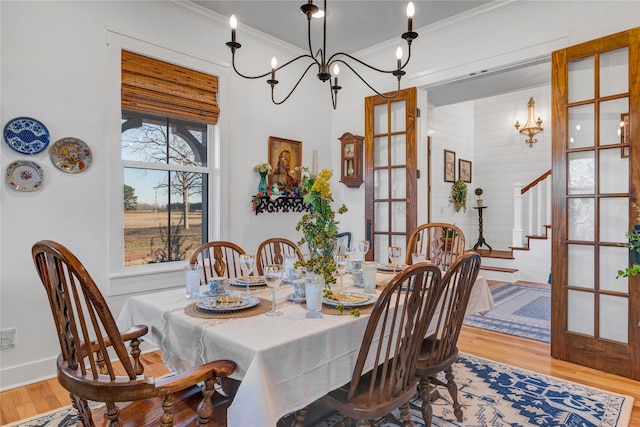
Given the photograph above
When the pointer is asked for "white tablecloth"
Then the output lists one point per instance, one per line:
(284, 362)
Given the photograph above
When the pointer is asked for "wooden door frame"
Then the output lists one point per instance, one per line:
(595, 352)
(410, 96)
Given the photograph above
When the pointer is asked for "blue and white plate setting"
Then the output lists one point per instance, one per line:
(26, 135)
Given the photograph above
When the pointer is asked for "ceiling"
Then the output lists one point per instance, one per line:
(353, 25)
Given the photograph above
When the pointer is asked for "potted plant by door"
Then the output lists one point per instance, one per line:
(634, 248)
(479, 192)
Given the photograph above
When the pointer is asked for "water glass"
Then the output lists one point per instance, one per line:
(394, 254)
(192, 280)
(341, 265)
(314, 299)
(417, 257)
(247, 263)
(290, 272)
(370, 281)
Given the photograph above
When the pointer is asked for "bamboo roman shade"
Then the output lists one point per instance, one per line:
(153, 86)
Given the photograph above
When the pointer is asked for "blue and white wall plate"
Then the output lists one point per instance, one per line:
(26, 135)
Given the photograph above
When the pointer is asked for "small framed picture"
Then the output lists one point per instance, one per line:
(464, 170)
(624, 134)
(449, 166)
(284, 156)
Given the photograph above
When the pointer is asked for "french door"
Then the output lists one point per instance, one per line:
(596, 178)
(390, 172)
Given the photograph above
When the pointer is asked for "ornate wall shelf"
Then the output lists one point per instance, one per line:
(281, 204)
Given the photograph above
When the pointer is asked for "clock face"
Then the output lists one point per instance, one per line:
(349, 150)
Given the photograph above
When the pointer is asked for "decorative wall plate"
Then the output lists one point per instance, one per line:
(70, 155)
(25, 175)
(26, 135)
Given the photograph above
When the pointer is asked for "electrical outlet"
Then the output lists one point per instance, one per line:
(7, 338)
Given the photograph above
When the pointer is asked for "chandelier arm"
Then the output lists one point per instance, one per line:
(233, 63)
(292, 90)
(333, 60)
(367, 84)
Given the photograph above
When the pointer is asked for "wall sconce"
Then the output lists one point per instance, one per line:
(529, 129)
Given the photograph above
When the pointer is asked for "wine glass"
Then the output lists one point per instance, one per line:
(247, 263)
(394, 254)
(273, 277)
(364, 246)
(341, 265)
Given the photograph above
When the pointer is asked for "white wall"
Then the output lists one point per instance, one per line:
(54, 68)
(57, 72)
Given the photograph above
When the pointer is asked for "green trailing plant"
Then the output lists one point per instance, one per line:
(633, 244)
(458, 196)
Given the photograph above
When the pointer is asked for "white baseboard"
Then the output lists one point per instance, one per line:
(41, 370)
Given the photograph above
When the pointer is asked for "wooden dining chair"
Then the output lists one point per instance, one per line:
(383, 378)
(273, 251)
(441, 243)
(439, 351)
(89, 338)
(218, 259)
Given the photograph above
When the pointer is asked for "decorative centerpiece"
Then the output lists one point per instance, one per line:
(459, 196)
(319, 228)
(634, 248)
(263, 169)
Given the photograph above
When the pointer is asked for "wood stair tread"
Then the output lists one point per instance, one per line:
(501, 254)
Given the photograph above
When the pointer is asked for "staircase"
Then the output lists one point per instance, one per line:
(529, 257)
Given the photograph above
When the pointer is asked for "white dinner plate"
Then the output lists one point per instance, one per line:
(227, 303)
(294, 298)
(389, 267)
(248, 280)
(349, 299)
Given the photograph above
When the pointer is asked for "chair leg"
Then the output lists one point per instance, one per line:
(298, 420)
(112, 414)
(205, 408)
(425, 395)
(84, 413)
(167, 408)
(405, 415)
(453, 391)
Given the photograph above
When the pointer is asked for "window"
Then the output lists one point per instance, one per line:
(165, 187)
(167, 113)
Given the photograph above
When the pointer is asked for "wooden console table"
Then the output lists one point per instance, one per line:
(481, 240)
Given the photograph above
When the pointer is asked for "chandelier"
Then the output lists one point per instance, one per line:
(327, 65)
(529, 128)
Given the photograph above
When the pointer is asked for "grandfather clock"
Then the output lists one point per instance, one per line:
(351, 160)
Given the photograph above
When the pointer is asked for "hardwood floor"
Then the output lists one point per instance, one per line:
(45, 396)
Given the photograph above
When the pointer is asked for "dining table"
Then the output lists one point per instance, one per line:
(283, 363)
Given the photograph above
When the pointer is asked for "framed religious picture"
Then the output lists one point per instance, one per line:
(624, 134)
(449, 166)
(464, 170)
(284, 156)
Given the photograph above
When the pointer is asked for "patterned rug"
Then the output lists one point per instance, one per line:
(521, 310)
(492, 395)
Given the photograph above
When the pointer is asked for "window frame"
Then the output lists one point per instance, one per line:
(132, 279)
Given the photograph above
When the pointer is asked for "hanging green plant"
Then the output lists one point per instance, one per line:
(459, 196)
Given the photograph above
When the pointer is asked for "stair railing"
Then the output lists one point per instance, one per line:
(539, 198)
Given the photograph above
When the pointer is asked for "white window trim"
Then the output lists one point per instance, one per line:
(125, 280)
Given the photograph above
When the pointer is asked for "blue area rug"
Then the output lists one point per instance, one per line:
(492, 395)
(521, 310)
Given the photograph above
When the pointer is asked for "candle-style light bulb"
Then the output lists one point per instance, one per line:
(233, 23)
(410, 12)
(274, 65)
(399, 56)
(336, 71)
